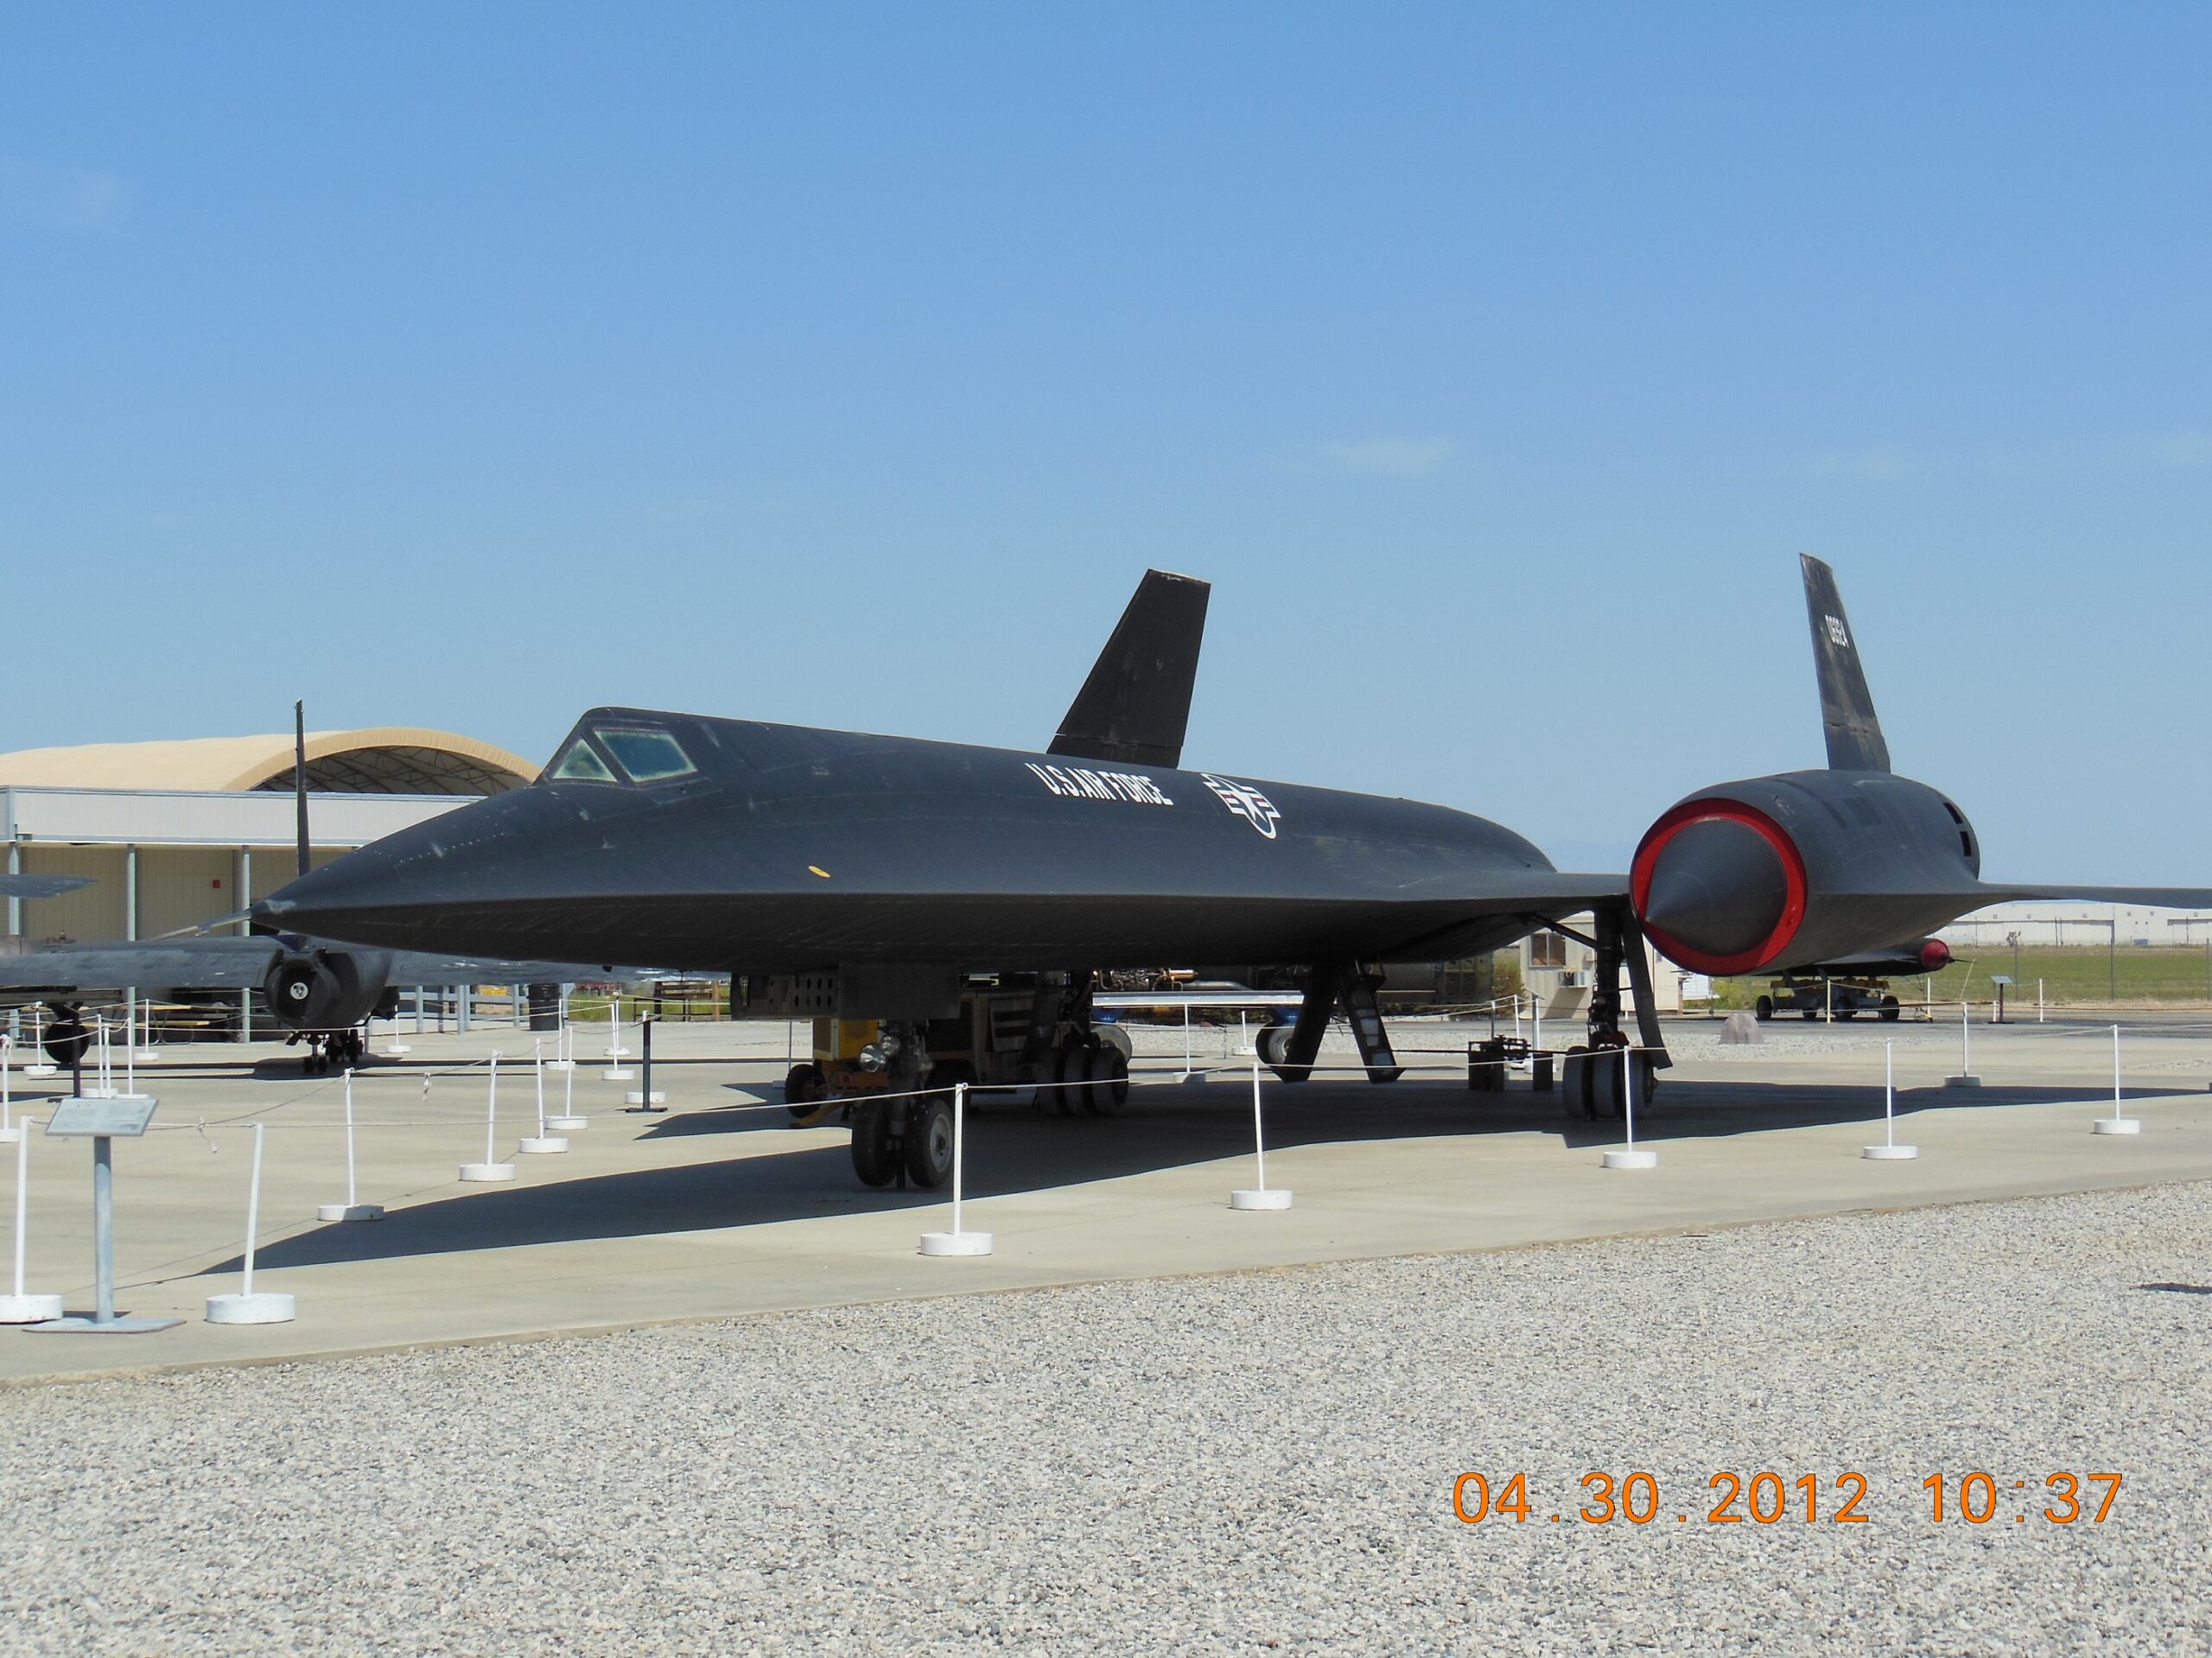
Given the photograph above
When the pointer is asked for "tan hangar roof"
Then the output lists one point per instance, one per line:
(378, 759)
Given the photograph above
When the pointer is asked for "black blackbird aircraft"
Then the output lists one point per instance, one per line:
(834, 874)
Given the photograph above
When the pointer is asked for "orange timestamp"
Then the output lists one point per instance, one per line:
(1767, 1498)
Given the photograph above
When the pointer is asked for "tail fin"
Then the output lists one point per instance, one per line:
(1136, 703)
(1854, 734)
(300, 779)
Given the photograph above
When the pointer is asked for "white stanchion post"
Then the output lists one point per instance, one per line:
(2039, 1001)
(1889, 1150)
(491, 1170)
(1189, 1073)
(269, 1306)
(19, 1308)
(1261, 1196)
(9, 1133)
(1965, 1078)
(353, 1209)
(563, 1057)
(616, 1071)
(541, 1144)
(1628, 1156)
(957, 1243)
(568, 1123)
(39, 1065)
(2116, 1123)
(1536, 1026)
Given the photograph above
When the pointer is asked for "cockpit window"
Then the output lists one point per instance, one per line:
(581, 765)
(648, 756)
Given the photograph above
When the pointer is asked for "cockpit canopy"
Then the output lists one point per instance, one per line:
(623, 750)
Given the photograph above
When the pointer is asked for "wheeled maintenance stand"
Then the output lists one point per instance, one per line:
(102, 1122)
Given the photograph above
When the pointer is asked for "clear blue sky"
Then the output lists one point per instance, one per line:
(468, 365)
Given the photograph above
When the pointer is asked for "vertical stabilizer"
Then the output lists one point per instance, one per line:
(1854, 734)
(299, 779)
(1137, 702)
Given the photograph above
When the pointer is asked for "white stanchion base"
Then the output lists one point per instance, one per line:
(1628, 1159)
(543, 1145)
(1259, 1198)
(487, 1172)
(617, 1074)
(635, 1097)
(559, 1065)
(144, 1054)
(569, 1124)
(955, 1243)
(2117, 1126)
(29, 1309)
(393, 1050)
(615, 1056)
(1890, 1154)
(10, 1134)
(40, 1070)
(1967, 1081)
(349, 1211)
(81, 1324)
(262, 1307)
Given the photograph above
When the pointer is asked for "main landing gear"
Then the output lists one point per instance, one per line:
(329, 1050)
(908, 1140)
(1594, 1077)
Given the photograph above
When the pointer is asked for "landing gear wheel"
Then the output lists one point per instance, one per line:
(1763, 1009)
(1070, 1066)
(1575, 1082)
(1603, 1070)
(929, 1142)
(1890, 1008)
(1812, 1013)
(873, 1158)
(66, 1040)
(1108, 1073)
(1274, 1043)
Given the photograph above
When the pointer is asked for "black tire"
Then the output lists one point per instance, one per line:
(1274, 1043)
(873, 1158)
(1847, 1013)
(929, 1142)
(1812, 1013)
(1114, 1037)
(1890, 1008)
(1604, 1069)
(66, 1040)
(1109, 1075)
(1763, 1009)
(1069, 1069)
(803, 1092)
(1575, 1082)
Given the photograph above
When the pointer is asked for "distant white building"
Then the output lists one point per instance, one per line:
(2102, 925)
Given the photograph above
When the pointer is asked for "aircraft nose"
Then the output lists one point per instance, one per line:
(1719, 888)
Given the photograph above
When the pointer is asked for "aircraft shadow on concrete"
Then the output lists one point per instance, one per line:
(1013, 1149)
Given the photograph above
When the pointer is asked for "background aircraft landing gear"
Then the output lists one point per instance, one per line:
(875, 1154)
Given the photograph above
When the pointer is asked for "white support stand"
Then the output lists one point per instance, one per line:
(1889, 1151)
(18, 1308)
(564, 1058)
(1628, 1157)
(2116, 1123)
(490, 1171)
(616, 1071)
(1245, 1049)
(39, 1065)
(568, 1123)
(541, 1144)
(957, 1243)
(393, 1047)
(10, 1132)
(353, 1209)
(1261, 1195)
(269, 1306)
(1190, 1075)
(145, 1039)
(1965, 1078)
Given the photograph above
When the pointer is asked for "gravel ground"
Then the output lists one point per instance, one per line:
(1221, 1465)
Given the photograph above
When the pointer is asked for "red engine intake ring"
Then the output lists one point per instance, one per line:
(1673, 822)
(1934, 955)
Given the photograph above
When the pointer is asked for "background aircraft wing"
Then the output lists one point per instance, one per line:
(2161, 897)
(41, 885)
(180, 964)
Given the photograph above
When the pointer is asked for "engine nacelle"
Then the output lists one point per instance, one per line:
(323, 990)
(1777, 872)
